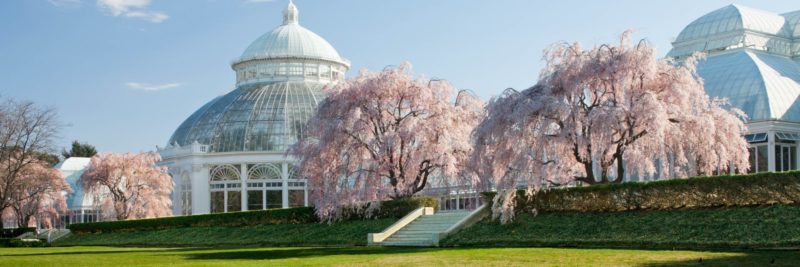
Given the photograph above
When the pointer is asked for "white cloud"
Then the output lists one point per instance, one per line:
(132, 9)
(151, 87)
(65, 3)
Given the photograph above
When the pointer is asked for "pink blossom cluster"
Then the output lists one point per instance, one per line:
(129, 186)
(385, 135)
(598, 115)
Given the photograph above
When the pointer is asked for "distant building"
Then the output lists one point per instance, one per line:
(229, 155)
(80, 205)
(753, 59)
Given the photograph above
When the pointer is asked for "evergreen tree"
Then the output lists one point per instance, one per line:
(79, 150)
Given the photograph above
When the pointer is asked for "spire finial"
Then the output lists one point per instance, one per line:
(290, 14)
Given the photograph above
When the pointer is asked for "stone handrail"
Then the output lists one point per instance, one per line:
(377, 238)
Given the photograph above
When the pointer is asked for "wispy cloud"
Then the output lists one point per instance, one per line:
(132, 9)
(65, 3)
(151, 87)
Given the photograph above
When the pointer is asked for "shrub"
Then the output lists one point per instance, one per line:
(15, 232)
(273, 216)
(397, 208)
(19, 243)
(389, 209)
(697, 192)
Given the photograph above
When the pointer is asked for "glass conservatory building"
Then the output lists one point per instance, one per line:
(229, 155)
(753, 59)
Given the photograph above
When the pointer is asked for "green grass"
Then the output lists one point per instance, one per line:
(316, 234)
(379, 256)
(723, 228)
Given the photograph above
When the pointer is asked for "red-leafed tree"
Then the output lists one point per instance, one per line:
(601, 113)
(129, 186)
(384, 135)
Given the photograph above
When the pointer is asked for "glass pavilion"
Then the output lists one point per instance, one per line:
(229, 155)
(753, 59)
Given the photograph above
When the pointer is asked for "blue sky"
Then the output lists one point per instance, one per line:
(124, 73)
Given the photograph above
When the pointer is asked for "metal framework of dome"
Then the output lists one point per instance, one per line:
(229, 155)
(280, 78)
(753, 59)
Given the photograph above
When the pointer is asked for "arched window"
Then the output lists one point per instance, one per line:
(226, 194)
(186, 194)
(264, 172)
(225, 173)
(264, 186)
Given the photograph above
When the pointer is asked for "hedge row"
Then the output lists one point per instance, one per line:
(272, 216)
(303, 215)
(698, 192)
(18, 243)
(390, 209)
(15, 232)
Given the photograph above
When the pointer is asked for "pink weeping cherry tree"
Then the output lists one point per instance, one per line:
(39, 195)
(599, 114)
(384, 135)
(129, 186)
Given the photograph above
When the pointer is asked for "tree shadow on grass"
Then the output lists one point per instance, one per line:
(99, 252)
(755, 258)
(285, 253)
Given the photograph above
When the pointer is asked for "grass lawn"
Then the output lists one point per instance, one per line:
(379, 256)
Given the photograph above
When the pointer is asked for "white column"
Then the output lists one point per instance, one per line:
(177, 192)
(201, 191)
(243, 169)
(797, 156)
(771, 150)
(285, 176)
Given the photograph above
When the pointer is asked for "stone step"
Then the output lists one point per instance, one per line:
(423, 229)
(428, 239)
(421, 232)
(408, 244)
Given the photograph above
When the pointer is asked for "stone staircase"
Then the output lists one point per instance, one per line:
(47, 234)
(425, 230)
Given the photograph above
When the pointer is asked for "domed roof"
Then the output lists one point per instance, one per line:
(763, 85)
(72, 168)
(793, 23)
(734, 18)
(256, 117)
(273, 100)
(290, 40)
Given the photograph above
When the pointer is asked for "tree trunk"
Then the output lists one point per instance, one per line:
(589, 178)
(620, 170)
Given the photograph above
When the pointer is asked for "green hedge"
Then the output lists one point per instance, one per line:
(18, 243)
(697, 192)
(393, 209)
(398, 208)
(770, 226)
(15, 232)
(303, 215)
(273, 216)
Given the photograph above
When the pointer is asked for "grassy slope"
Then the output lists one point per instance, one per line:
(338, 234)
(379, 256)
(772, 226)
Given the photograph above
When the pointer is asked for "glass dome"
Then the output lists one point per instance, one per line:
(259, 117)
(280, 78)
(290, 40)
